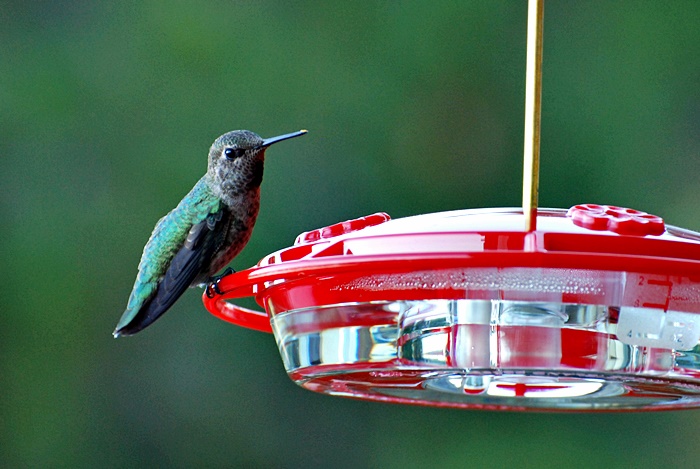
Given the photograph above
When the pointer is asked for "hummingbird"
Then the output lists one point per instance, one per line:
(206, 230)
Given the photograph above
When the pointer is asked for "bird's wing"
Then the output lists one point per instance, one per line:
(188, 263)
(180, 244)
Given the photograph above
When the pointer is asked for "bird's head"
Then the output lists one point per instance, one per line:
(236, 158)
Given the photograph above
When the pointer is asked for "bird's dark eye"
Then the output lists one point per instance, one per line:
(232, 153)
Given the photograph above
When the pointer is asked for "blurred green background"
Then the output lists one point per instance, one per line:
(107, 110)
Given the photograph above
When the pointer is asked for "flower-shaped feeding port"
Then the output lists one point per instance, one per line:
(465, 309)
(616, 219)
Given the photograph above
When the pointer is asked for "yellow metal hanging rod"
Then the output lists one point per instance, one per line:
(533, 107)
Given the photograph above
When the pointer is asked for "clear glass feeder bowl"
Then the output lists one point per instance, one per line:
(596, 310)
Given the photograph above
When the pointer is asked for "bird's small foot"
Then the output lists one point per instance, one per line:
(213, 287)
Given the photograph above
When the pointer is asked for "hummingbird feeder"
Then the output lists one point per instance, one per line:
(594, 308)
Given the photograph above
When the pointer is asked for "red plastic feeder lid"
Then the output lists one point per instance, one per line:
(588, 237)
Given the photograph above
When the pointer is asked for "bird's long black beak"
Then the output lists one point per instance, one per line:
(269, 141)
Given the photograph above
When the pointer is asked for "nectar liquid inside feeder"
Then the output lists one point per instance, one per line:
(595, 308)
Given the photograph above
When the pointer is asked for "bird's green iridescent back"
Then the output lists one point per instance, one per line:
(167, 238)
